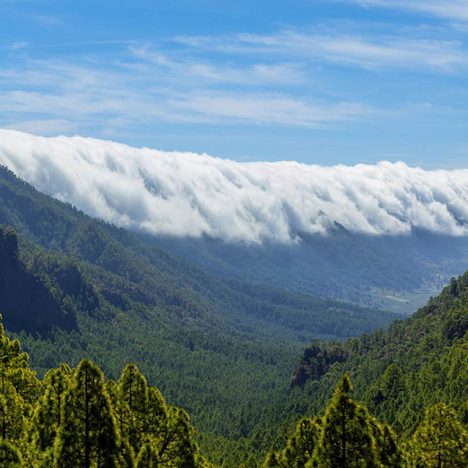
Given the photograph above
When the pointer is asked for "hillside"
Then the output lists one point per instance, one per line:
(392, 272)
(401, 371)
(219, 348)
(29, 303)
(125, 267)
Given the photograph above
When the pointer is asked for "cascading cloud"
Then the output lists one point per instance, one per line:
(187, 194)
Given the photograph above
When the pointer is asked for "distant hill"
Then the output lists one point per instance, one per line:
(392, 272)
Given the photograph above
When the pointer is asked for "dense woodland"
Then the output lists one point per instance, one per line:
(401, 371)
(412, 378)
(75, 417)
(342, 265)
(78, 291)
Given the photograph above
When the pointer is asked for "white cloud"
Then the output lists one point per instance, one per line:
(186, 194)
(269, 109)
(92, 98)
(282, 73)
(368, 51)
(449, 9)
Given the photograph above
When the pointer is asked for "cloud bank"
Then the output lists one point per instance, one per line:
(187, 194)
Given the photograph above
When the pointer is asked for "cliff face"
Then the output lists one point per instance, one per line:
(25, 302)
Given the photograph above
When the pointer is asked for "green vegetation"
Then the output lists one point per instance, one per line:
(74, 417)
(222, 349)
(347, 435)
(389, 272)
(400, 372)
(413, 377)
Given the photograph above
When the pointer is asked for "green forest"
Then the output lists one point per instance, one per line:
(409, 407)
(77, 417)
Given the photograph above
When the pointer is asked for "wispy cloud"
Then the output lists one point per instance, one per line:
(456, 10)
(271, 109)
(43, 126)
(374, 51)
(277, 79)
(48, 21)
(253, 74)
(48, 91)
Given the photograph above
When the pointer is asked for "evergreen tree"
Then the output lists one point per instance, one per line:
(251, 462)
(440, 440)
(302, 443)
(132, 406)
(387, 450)
(273, 460)
(11, 412)
(49, 408)
(157, 413)
(14, 368)
(346, 439)
(87, 435)
(177, 446)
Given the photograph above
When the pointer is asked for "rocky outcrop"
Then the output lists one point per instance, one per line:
(25, 301)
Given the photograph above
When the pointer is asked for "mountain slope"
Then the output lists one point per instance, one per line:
(219, 348)
(396, 272)
(121, 262)
(385, 235)
(26, 302)
(403, 370)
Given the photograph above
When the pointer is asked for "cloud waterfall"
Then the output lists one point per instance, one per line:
(187, 194)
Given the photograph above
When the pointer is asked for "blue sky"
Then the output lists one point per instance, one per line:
(326, 82)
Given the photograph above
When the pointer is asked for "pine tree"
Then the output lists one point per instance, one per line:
(302, 443)
(175, 445)
(387, 450)
(273, 460)
(132, 406)
(87, 435)
(49, 408)
(251, 462)
(14, 368)
(440, 440)
(346, 439)
(11, 412)
(157, 413)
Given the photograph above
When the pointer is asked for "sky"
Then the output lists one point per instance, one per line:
(319, 82)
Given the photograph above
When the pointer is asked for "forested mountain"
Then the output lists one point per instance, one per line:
(125, 269)
(348, 435)
(385, 236)
(30, 304)
(398, 373)
(75, 417)
(220, 348)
